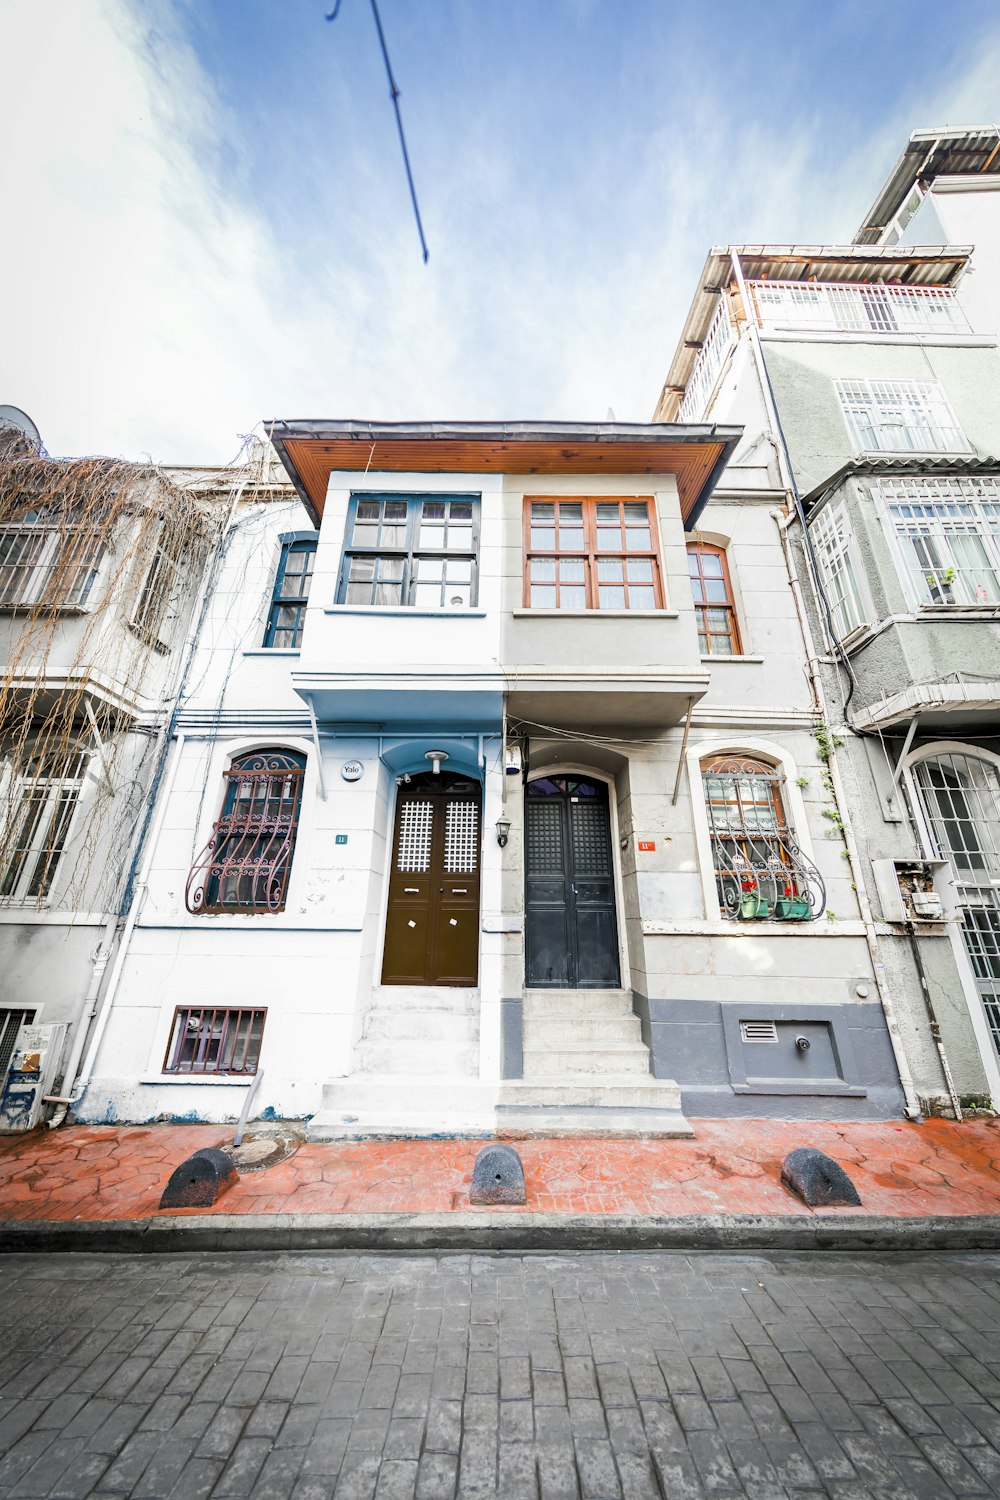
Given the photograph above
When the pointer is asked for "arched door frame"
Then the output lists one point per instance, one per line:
(925, 839)
(594, 773)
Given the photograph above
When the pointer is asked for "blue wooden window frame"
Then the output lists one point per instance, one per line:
(277, 632)
(400, 563)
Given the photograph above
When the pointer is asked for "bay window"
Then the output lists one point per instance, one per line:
(591, 553)
(947, 536)
(411, 551)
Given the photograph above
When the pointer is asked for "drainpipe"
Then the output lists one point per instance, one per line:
(912, 1109)
(932, 1021)
(100, 964)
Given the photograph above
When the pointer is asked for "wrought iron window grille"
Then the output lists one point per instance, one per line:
(215, 1040)
(761, 871)
(245, 865)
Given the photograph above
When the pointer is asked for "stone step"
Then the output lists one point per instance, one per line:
(425, 997)
(553, 1031)
(409, 1056)
(612, 1091)
(588, 1057)
(606, 1121)
(421, 1025)
(360, 1107)
(577, 1002)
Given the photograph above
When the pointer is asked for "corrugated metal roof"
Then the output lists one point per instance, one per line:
(945, 151)
(925, 265)
(916, 463)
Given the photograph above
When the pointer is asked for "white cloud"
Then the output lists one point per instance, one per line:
(151, 307)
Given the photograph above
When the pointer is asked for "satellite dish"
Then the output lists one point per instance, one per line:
(13, 416)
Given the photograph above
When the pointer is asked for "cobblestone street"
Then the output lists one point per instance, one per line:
(657, 1375)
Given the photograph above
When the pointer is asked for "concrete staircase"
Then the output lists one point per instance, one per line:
(586, 1070)
(416, 1069)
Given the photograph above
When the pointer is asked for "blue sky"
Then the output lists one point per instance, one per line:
(215, 226)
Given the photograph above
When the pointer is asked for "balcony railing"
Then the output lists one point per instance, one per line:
(762, 874)
(850, 307)
(719, 340)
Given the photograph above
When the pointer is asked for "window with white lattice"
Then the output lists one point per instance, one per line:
(900, 416)
(834, 549)
(41, 799)
(44, 560)
(946, 532)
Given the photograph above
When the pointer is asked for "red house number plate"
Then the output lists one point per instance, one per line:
(646, 846)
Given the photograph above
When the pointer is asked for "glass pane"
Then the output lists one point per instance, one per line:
(640, 570)
(359, 593)
(395, 510)
(390, 569)
(543, 597)
(433, 510)
(637, 540)
(572, 598)
(609, 539)
(368, 510)
(457, 571)
(388, 592)
(611, 598)
(641, 597)
(365, 536)
(393, 536)
(722, 645)
(717, 619)
(461, 510)
(711, 564)
(542, 510)
(543, 569)
(570, 511)
(571, 538)
(636, 513)
(715, 590)
(429, 569)
(457, 595)
(543, 538)
(459, 538)
(571, 570)
(362, 567)
(693, 561)
(426, 595)
(432, 535)
(608, 512)
(610, 569)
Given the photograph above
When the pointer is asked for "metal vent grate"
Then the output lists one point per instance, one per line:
(758, 1031)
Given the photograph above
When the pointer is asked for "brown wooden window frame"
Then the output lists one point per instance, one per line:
(702, 606)
(203, 1036)
(760, 868)
(591, 554)
(253, 838)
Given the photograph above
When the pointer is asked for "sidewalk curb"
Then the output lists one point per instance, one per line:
(496, 1230)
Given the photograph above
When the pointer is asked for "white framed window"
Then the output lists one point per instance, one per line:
(157, 607)
(417, 551)
(41, 801)
(833, 545)
(947, 537)
(42, 561)
(900, 416)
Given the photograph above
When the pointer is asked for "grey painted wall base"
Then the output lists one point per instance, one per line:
(512, 1032)
(847, 1072)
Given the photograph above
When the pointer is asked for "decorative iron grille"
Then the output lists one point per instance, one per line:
(212, 1040)
(761, 873)
(246, 863)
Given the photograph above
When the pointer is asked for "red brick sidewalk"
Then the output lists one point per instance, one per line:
(731, 1167)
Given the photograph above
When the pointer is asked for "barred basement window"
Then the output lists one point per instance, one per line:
(40, 560)
(42, 801)
(245, 865)
(291, 592)
(210, 1040)
(760, 871)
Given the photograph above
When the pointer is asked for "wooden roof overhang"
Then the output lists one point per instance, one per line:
(695, 454)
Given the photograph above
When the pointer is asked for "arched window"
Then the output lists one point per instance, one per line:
(714, 605)
(960, 797)
(760, 871)
(246, 863)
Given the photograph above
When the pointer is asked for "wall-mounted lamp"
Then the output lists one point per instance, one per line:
(436, 757)
(503, 829)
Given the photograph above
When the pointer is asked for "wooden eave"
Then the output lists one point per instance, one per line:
(695, 455)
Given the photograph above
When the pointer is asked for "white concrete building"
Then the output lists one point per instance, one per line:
(495, 800)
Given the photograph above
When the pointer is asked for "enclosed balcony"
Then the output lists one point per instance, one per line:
(849, 307)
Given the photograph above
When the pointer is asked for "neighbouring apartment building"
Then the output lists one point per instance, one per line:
(499, 796)
(867, 376)
(102, 569)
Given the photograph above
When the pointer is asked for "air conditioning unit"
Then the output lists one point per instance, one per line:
(34, 1064)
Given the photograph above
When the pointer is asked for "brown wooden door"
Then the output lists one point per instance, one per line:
(432, 924)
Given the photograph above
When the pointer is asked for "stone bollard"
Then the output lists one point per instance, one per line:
(818, 1180)
(498, 1176)
(201, 1180)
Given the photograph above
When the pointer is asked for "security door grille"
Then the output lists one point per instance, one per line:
(960, 797)
(415, 551)
(413, 847)
(246, 863)
(947, 532)
(900, 416)
(461, 838)
(212, 1040)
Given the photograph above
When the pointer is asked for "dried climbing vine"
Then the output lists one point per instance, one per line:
(95, 554)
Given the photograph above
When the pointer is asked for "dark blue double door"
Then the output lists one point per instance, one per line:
(571, 930)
